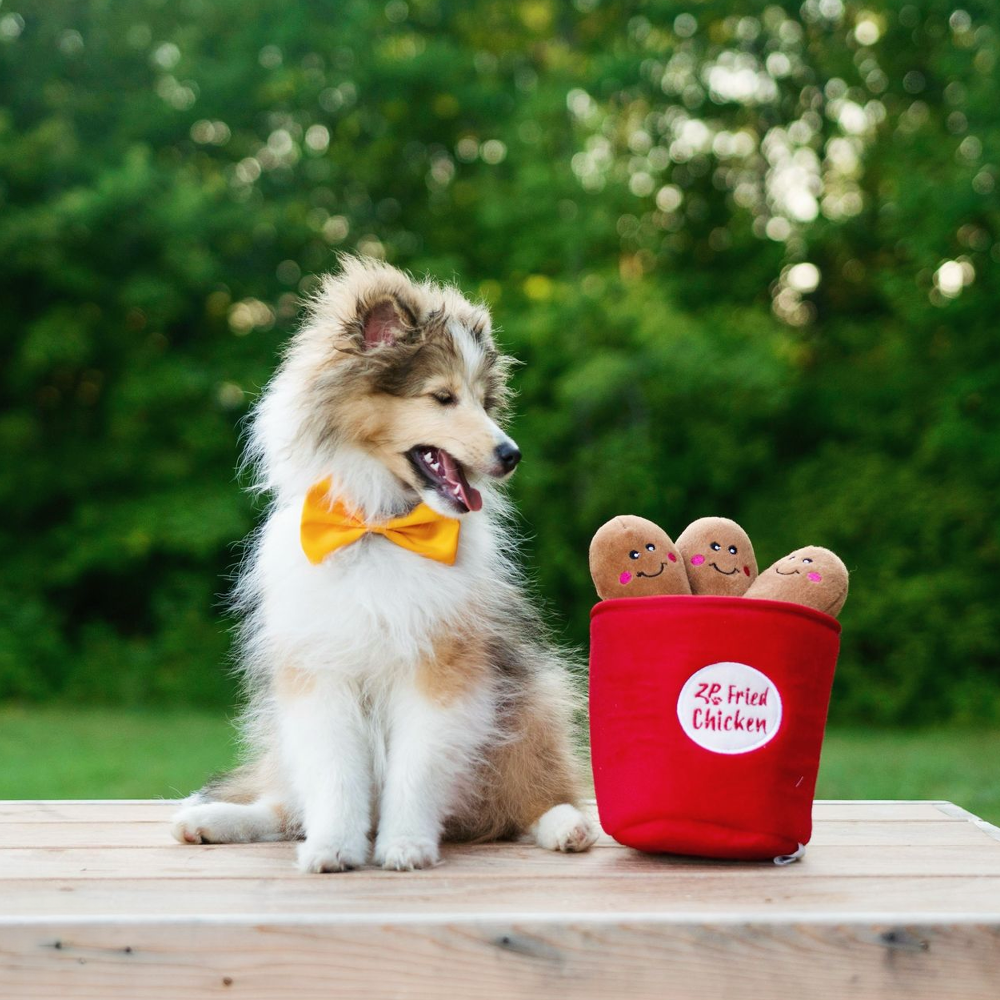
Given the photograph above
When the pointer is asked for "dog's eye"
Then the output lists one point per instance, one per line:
(650, 547)
(715, 546)
(634, 554)
(732, 550)
(445, 398)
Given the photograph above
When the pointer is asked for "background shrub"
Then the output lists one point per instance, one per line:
(750, 263)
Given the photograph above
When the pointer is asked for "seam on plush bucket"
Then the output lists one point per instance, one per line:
(718, 826)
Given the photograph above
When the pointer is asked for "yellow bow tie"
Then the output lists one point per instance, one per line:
(326, 528)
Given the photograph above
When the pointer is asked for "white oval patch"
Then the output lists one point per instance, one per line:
(729, 708)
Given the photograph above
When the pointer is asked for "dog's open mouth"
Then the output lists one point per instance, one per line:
(447, 476)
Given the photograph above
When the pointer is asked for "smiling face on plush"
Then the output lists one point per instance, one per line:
(718, 557)
(633, 557)
(812, 575)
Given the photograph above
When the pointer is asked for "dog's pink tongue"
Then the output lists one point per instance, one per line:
(473, 498)
(459, 485)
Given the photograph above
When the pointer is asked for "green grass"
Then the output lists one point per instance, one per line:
(61, 752)
(65, 752)
(961, 765)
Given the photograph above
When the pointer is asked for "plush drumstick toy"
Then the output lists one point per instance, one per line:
(718, 557)
(632, 557)
(812, 575)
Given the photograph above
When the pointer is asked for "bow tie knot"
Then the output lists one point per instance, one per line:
(328, 525)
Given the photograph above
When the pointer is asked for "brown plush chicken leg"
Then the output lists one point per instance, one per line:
(633, 557)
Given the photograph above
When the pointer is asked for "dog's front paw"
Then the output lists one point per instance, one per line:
(406, 854)
(193, 825)
(564, 828)
(316, 856)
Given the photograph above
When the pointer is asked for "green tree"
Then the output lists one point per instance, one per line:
(749, 261)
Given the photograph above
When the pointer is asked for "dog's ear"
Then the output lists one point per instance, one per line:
(387, 320)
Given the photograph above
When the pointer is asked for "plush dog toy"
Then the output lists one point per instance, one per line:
(812, 575)
(718, 557)
(633, 557)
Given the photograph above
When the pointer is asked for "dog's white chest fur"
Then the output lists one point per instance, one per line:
(370, 606)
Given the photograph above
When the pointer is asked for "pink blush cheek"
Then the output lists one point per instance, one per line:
(746, 569)
(815, 577)
(697, 560)
(671, 557)
(625, 578)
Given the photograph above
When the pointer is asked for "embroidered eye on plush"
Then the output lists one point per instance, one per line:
(445, 398)
(732, 550)
(650, 547)
(807, 560)
(715, 546)
(634, 554)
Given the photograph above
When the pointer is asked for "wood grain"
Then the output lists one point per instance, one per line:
(426, 959)
(509, 861)
(892, 900)
(157, 834)
(160, 810)
(753, 894)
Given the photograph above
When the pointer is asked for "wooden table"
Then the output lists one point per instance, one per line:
(893, 899)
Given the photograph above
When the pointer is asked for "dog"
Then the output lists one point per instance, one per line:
(400, 686)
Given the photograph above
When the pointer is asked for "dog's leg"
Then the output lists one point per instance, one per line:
(229, 822)
(533, 782)
(431, 749)
(326, 756)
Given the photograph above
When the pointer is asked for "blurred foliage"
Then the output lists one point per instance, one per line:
(750, 261)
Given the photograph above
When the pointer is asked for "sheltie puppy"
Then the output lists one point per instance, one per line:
(395, 698)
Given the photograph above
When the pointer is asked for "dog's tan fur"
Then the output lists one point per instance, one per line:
(526, 775)
(455, 664)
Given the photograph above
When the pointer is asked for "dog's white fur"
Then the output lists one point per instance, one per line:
(389, 692)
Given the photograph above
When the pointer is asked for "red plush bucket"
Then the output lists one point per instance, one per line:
(706, 722)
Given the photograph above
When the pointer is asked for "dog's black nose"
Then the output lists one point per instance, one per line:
(508, 455)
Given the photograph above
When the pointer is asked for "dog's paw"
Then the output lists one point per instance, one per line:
(405, 854)
(227, 823)
(192, 825)
(317, 856)
(564, 828)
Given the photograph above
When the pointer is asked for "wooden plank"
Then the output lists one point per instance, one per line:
(866, 810)
(893, 899)
(751, 893)
(891, 832)
(424, 959)
(146, 834)
(159, 811)
(950, 809)
(508, 860)
(89, 811)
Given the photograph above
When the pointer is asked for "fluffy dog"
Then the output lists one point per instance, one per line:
(393, 693)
